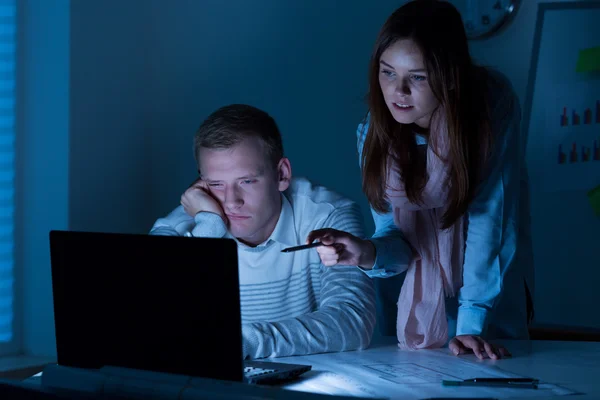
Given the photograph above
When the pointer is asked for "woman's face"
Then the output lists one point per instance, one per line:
(404, 84)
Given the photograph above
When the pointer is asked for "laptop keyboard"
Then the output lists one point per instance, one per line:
(254, 371)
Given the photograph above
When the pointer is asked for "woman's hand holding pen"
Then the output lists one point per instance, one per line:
(464, 344)
(343, 248)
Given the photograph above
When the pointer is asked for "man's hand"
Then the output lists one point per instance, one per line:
(343, 248)
(197, 198)
(464, 344)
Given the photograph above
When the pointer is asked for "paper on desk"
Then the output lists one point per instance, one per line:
(407, 375)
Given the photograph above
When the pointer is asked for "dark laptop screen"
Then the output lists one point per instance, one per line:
(168, 304)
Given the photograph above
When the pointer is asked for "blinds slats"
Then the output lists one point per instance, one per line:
(7, 166)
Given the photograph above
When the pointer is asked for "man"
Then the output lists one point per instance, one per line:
(291, 303)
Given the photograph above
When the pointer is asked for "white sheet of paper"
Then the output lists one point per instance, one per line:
(407, 375)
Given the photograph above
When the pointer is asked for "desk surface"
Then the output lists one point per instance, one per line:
(384, 370)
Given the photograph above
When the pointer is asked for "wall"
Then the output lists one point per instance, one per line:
(43, 159)
(109, 131)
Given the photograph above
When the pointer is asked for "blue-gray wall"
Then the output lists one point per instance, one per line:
(43, 160)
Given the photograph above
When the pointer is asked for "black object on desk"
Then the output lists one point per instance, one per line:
(152, 303)
(460, 398)
(513, 383)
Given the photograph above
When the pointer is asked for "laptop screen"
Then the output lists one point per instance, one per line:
(168, 304)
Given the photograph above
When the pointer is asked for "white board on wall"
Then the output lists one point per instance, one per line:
(562, 123)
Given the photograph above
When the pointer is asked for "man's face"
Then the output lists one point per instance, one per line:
(247, 186)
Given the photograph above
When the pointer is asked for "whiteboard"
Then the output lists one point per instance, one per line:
(565, 105)
(561, 118)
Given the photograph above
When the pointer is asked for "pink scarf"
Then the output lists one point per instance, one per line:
(436, 269)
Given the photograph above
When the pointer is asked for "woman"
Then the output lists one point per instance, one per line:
(444, 172)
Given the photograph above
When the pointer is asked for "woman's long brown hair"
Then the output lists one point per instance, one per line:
(437, 29)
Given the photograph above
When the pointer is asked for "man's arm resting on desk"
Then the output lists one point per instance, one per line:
(344, 321)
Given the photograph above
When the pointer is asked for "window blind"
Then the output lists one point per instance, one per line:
(8, 39)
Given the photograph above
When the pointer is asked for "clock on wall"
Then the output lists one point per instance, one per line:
(483, 18)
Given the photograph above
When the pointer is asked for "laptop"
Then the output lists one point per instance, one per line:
(158, 303)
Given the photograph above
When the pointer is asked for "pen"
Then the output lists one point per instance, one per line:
(460, 398)
(515, 383)
(504, 380)
(304, 246)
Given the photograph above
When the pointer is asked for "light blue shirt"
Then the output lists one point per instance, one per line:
(498, 263)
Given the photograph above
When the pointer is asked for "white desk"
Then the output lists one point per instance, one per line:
(384, 371)
(573, 365)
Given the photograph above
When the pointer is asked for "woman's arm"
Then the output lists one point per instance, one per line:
(392, 252)
(492, 222)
